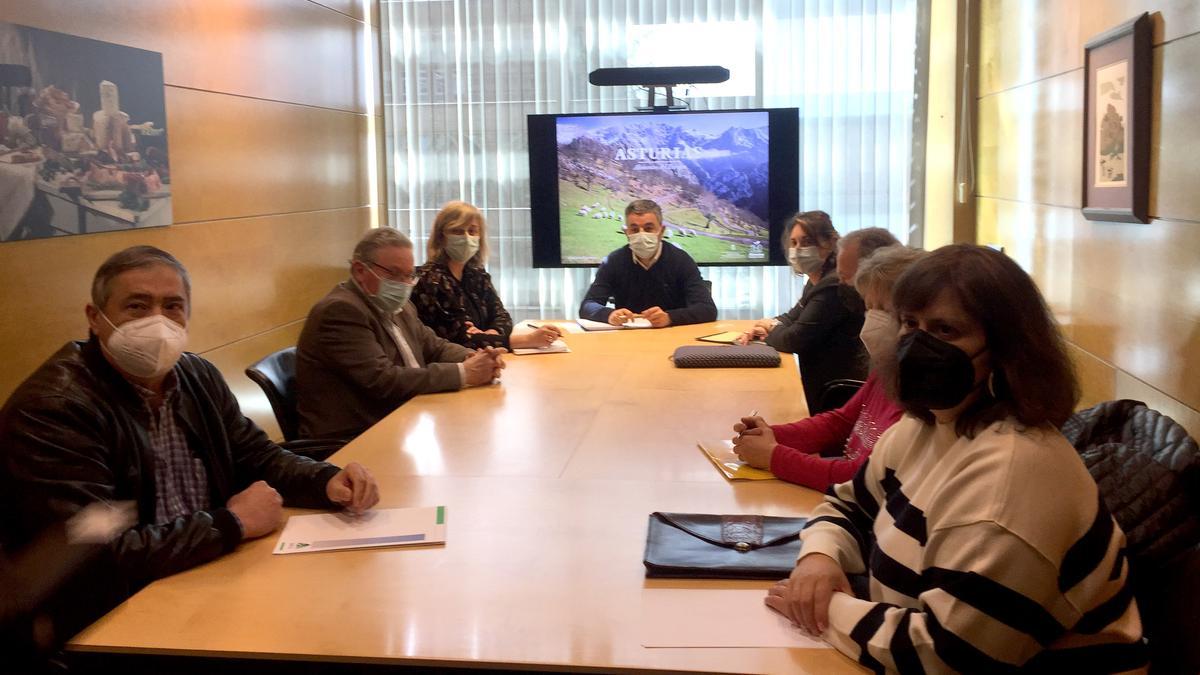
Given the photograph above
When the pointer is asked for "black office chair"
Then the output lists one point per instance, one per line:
(835, 394)
(276, 375)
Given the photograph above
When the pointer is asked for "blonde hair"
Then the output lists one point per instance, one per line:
(452, 214)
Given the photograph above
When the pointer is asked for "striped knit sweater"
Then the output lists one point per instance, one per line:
(984, 554)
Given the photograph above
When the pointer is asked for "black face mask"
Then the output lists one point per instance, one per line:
(933, 374)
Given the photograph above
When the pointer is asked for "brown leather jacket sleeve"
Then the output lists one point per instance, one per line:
(67, 444)
(60, 457)
(300, 480)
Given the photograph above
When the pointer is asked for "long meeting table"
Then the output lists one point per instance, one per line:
(548, 479)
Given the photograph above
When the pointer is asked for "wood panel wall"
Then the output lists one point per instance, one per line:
(1127, 295)
(268, 108)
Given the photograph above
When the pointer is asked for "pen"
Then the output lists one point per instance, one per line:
(753, 413)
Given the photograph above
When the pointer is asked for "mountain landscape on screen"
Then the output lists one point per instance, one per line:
(708, 172)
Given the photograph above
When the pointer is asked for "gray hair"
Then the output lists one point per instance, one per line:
(133, 258)
(880, 271)
(640, 206)
(380, 237)
(870, 239)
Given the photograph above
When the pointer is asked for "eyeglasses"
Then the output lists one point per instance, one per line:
(394, 275)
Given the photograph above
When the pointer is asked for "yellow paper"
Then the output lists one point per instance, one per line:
(726, 460)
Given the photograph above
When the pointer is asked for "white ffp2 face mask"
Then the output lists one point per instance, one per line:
(147, 347)
(879, 332)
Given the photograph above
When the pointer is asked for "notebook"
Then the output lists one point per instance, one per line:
(727, 338)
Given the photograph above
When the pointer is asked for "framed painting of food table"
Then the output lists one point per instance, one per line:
(1117, 95)
(83, 136)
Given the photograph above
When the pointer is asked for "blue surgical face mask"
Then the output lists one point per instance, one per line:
(805, 260)
(461, 247)
(392, 295)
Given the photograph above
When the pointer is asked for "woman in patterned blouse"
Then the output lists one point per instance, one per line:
(799, 452)
(455, 296)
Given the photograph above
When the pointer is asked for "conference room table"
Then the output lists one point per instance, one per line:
(548, 479)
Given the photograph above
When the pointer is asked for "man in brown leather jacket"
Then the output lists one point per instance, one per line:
(364, 351)
(127, 415)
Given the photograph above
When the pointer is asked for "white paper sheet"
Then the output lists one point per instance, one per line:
(377, 527)
(556, 347)
(698, 617)
(527, 326)
(589, 325)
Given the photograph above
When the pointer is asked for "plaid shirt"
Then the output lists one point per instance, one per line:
(179, 475)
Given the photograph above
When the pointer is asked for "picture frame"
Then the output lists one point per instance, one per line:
(1117, 66)
(83, 136)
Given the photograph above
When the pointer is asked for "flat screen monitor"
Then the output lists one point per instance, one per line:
(727, 182)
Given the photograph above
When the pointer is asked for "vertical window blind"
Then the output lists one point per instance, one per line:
(460, 77)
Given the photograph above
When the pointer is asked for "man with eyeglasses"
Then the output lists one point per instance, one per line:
(364, 351)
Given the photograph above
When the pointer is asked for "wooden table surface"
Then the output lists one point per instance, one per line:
(548, 479)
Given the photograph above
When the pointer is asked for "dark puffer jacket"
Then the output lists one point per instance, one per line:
(1148, 470)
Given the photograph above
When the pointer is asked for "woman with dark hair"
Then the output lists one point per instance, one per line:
(829, 448)
(822, 329)
(454, 295)
(985, 538)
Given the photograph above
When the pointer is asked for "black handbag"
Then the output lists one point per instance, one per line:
(705, 546)
(726, 356)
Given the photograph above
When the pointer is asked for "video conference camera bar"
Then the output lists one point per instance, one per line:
(658, 77)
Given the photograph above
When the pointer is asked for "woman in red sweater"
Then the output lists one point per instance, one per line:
(796, 452)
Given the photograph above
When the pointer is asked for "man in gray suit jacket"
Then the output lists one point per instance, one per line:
(363, 351)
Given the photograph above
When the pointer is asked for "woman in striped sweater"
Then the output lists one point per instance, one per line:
(985, 538)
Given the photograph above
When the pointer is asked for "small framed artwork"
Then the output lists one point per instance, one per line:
(1116, 127)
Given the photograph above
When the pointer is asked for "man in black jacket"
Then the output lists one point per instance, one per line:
(649, 278)
(127, 415)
